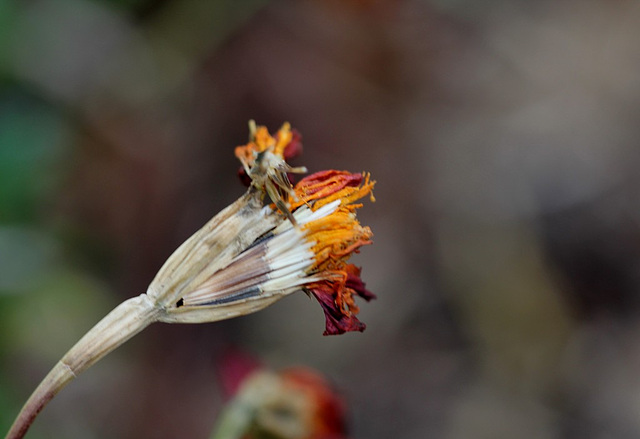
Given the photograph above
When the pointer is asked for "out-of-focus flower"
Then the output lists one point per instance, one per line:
(274, 240)
(296, 403)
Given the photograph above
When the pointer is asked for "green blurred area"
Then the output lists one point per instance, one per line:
(35, 147)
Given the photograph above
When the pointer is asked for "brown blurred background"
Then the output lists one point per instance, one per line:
(504, 138)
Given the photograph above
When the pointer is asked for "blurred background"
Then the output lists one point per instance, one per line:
(504, 136)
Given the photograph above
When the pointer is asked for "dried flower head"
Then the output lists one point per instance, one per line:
(309, 253)
(274, 240)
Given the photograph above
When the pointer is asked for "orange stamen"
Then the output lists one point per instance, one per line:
(263, 139)
(336, 237)
(284, 137)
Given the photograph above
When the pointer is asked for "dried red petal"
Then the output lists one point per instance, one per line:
(244, 178)
(329, 182)
(337, 320)
(354, 282)
(294, 147)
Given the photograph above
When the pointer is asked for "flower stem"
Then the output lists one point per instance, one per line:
(125, 321)
(234, 421)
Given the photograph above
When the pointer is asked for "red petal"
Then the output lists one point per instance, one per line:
(330, 182)
(293, 148)
(336, 320)
(355, 282)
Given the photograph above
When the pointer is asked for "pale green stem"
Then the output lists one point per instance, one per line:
(234, 421)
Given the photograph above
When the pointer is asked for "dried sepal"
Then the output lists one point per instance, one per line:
(208, 251)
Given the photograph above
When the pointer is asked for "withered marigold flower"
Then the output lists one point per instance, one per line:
(309, 253)
(274, 240)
